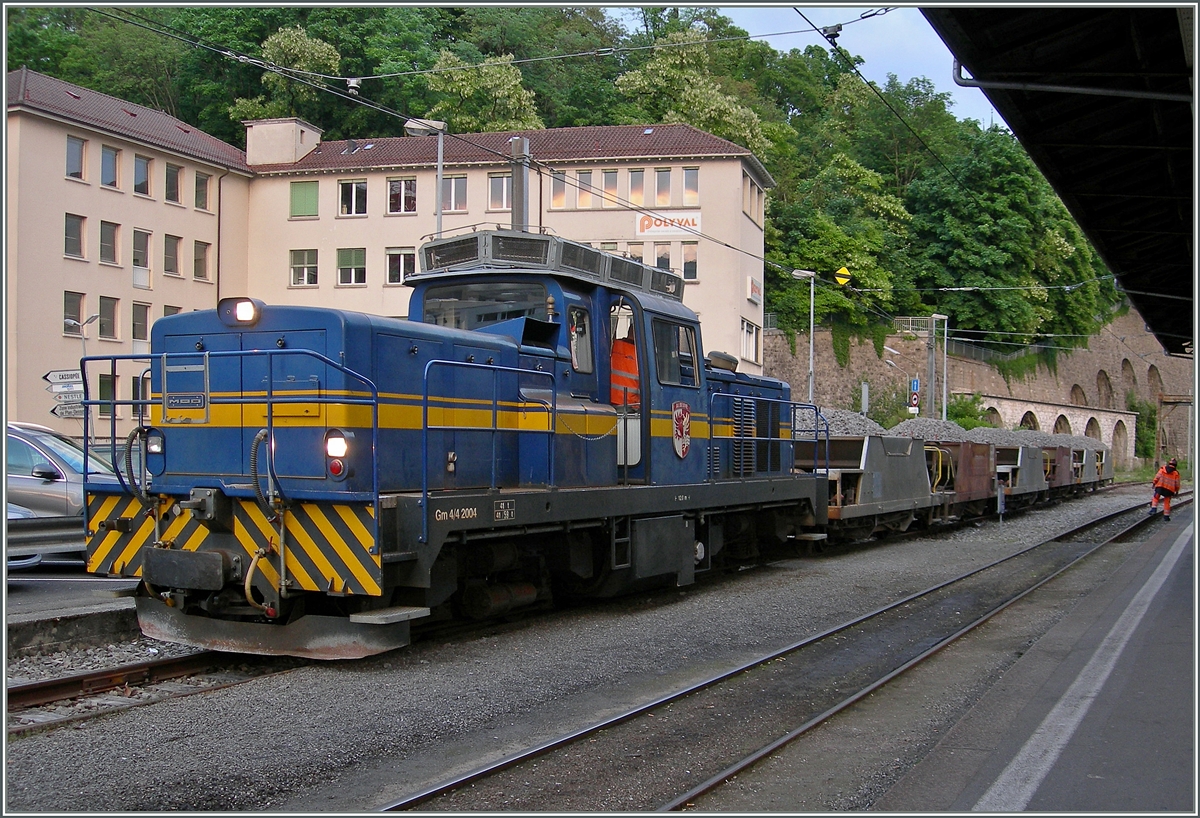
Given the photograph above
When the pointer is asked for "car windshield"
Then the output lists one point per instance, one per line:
(71, 454)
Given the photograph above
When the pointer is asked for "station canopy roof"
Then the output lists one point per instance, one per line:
(1102, 99)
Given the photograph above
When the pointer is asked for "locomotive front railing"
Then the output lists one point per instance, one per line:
(163, 360)
(551, 409)
(743, 413)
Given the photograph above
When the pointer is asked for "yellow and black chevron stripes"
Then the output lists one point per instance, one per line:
(328, 546)
(113, 551)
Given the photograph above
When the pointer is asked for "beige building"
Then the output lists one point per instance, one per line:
(339, 222)
(118, 214)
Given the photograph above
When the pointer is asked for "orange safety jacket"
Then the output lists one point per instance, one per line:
(1168, 480)
(624, 380)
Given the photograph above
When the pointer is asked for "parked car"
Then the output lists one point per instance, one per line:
(45, 471)
(16, 512)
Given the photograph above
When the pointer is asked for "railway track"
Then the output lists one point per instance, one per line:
(53, 702)
(689, 742)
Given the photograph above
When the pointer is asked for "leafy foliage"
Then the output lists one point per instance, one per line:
(927, 212)
(967, 411)
(1145, 438)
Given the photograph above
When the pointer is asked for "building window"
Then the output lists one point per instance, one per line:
(636, 250)
(141, 248)
(200, 260)
(170, 310)
(141, 259)
(691, 187)
(108, 242)
(401, 263)
(689, 260)
(752, 200)
(141, 175)
(304, 268)
(108, 317)
(608, 246)
(662, 187)
(108, 388)
(637, 187)
(610, 188)
(171, 188)
(500, 192)
(304, 200)
(202, 191)
(109, 165)
(171, 254)
(73, 236)
(662, 255)
(352, 195)
(584, 194)
(558, 189)
(141, 322)
(750, 341)
(352, 265)
(72, 312)
(454, 193)
(402, 195)
(75, 147)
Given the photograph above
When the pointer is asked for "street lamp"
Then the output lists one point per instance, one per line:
(812, 278)
(71, 322)
(428, 127)
(945, 372)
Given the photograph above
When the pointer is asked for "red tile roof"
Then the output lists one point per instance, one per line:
(38, 92)
(553, 145)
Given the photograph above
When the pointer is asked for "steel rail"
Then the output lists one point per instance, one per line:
(45, 691)
(484, 771)
(753, 758)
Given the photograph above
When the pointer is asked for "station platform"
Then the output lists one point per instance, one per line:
(1098, 716)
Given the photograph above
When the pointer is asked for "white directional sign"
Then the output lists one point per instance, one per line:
(63, 376)
(68, 410)
(65, 387)
(68, 397)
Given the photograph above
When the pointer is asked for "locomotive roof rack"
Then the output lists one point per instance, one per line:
(512, 249)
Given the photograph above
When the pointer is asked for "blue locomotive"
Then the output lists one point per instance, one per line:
(309, 481)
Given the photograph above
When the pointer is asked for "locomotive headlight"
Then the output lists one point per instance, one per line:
(155, 443)
(336, 445)
(239, 312)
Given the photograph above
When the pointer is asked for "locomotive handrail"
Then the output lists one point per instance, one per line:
(494, 428)
(140, 404)
(793, 408)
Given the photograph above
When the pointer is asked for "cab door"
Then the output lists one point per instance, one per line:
(678, 412)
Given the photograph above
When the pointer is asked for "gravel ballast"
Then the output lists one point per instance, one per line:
(350, 736)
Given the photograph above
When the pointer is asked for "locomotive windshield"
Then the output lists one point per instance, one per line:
(474, 305)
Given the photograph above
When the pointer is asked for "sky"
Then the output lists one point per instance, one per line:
(899, 42)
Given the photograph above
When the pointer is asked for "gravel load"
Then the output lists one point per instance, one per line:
(844, 423)
(997, 437)
(351, 736)
(930, 429)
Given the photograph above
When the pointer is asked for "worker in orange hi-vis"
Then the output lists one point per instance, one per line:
(625, 384)
(1166, 486)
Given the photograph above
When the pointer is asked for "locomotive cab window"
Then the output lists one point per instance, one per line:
(674, 353)
(480, 303)
(579, 327)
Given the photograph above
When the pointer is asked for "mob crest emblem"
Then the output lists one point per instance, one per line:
(681, 428)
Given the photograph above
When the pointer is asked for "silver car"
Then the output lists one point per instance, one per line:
(45, 471)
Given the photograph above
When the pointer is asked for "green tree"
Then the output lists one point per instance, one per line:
(967, 411)
(1145, 437)
(991, 247)
(289, 48)
(485, 96)
(677, 86)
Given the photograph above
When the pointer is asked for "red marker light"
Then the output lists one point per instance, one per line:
(336, 467)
